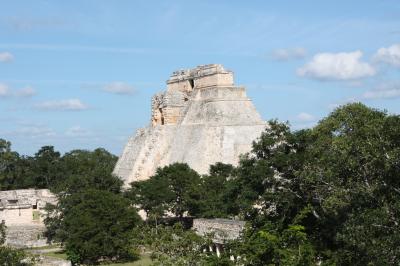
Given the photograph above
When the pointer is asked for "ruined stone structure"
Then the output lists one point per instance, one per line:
(221, 230)
(22, 211)
(24, 206)
(202, 118)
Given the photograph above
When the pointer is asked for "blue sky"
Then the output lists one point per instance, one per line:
(80, 74)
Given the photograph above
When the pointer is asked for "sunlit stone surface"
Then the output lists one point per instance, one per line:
(202, 118)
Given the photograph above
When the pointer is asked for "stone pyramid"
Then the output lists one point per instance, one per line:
(202, 118)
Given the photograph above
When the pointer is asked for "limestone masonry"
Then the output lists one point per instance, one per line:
(222, 229)
(23, 212)
(202, 118)
(24, 206)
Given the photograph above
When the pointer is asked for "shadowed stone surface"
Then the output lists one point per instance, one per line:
(201, 119)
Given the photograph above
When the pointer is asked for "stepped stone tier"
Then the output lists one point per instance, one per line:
(202, 118)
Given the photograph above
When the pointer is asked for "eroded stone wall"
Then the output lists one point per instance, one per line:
(26, 236)
(221, 230)
(24, 206)
(23, 213)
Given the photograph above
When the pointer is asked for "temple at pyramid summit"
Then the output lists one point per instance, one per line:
(200, 119)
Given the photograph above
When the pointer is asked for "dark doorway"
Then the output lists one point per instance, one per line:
(162, 116)
(191, 84)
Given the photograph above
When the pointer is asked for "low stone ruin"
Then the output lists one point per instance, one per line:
(221, 230)
(23, 212)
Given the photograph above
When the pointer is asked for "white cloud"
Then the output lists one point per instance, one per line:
(6, 57)
(62, 105)
(305, 117)
(389, 55)
(4, 90)
(34, 132)
(384, 91)
(339, 66)
(25, 92)
(119, 88)
(77, 131)
(289, 54)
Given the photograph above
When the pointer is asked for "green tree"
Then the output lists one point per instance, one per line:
(83, 169)
(213, 201)
(46, 167)
(339, 181)
(9, 162)
(153, 196)
(269, 246)
(352, 175)
(98, 226)
(173, 188)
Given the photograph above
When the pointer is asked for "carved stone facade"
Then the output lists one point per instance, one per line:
(202, 118)
(24, 206)
(22, 211)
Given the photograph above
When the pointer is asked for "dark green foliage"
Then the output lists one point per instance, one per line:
(46, 167)
(152, 195)
(88, 169)
(179, 189)
(214, 201)
(329, 195)
(97, 226)
(71, 172)
(41, 171)
(9, 166)
(173, 188)
(339, 181)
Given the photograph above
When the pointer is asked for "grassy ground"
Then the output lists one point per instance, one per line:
(44, 248)
(56, 254)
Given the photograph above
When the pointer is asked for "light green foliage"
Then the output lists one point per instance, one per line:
(173, 245)
(268, 246)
